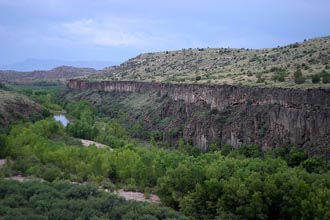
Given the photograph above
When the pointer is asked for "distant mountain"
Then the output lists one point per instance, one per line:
(39, 64)
(58, 73)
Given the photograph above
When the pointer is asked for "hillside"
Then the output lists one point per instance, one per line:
(15, 107)
(263, 67)
(58, 73)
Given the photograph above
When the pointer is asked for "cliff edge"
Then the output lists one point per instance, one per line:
(229, 114)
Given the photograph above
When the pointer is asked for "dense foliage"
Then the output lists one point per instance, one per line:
(63, 200)
(224, 183)
(245, 184)
(83, 127)
(42, 92)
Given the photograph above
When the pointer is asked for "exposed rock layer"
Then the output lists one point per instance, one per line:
(236, 115)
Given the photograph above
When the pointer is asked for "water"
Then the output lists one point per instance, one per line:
(61, 118)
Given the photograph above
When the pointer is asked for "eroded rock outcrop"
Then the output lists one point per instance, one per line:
(233, 114)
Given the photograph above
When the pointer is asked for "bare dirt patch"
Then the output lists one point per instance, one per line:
(128, 195)
(2, 162)
(137, 196)
(21, 178)
(88, 143)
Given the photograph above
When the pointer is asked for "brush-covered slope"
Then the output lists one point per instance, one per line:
(294, 65)
(15, 107)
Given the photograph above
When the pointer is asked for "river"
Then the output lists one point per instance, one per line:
(62, 118)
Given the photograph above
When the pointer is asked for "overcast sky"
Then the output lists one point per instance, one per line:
(117, 30)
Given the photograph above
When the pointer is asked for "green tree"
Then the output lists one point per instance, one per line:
(179, 181)
(3, 146)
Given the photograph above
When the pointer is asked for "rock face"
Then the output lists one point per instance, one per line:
(231, 114)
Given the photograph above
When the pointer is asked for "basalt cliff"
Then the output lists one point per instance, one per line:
(207, 114)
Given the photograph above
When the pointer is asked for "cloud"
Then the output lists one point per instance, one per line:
(101, 33)
(112, 31)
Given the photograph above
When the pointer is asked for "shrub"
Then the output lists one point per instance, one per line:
(295, 45)
(298, 77)
(259, 75)
(297, 73)
(325, 77)
(260, 80)
(280, 76)
(2, 85)
(253, 59)
(316, 78)
(198, 78)
(299, 80)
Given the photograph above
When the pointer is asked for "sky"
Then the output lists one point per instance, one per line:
(116, 30)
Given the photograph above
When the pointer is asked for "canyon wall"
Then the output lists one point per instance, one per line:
(235, 114)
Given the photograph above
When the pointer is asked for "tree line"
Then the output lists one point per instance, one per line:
(226, 183)
(62, 200)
